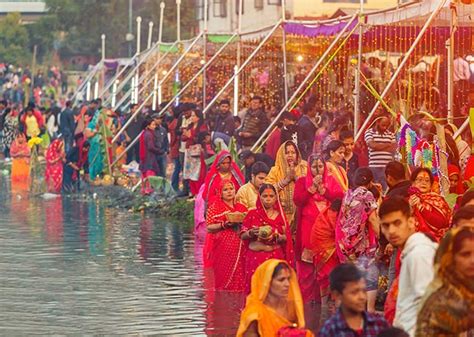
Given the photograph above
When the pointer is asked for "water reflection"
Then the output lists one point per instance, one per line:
(74, 267)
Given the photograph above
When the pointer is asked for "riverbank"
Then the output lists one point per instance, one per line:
(163, 202)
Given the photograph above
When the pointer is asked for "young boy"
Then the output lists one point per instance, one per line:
(351, 161)
(417, 256)
(348, 288)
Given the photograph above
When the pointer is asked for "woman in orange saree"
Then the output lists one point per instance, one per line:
(274, 306)
(20, 154)
(54, 166)
(227, 251)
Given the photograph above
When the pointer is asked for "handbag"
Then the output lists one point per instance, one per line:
(195, 150)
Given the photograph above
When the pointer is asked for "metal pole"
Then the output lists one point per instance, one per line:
(88, 91)
(178, 20)
(400, 67)
(462, 128)
(155, 92)
(145, 101)
(150, 34)
(214, 57)
(236, 91)
(139, 28)
(103, 46)
(204, 74)
(132, 98)
(285, 61)
(136, 86)
(130, 16)
(162, 11)
(238, 61)
(303, 83)
(114, 94)
(450, 49)
(251, 56)
(96, 89)
(357, 74)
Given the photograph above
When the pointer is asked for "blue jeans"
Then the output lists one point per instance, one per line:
(175, 176)
(161, 159)
(379, 176)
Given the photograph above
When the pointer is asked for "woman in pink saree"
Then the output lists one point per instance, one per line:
(266, 232)
(309, 200)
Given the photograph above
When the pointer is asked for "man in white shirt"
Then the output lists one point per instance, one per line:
(418, 251)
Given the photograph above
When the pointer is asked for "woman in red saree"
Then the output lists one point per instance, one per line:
(431, 211)
(227, 251)
(54, 166)
(223, 168)
(335, 177)
(266, 233)
(309, 200)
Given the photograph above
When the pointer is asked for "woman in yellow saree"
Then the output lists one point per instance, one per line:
(289, 166)
(274, 306)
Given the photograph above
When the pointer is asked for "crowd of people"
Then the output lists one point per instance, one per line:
(314, 217)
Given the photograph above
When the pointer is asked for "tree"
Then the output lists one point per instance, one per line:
(13, 40)
(84, 21)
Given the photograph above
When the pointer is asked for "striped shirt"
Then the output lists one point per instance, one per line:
(379, 158)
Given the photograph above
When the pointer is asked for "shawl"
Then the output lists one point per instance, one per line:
(259, 216)
(338, 173)
(55, 151)
(279, 171)
(309, 176)
(214, 172)
(323, 241)
(18, 149)
(354, 235)
(269, 322)
(454, 170)
(431, 201)
(449, 299)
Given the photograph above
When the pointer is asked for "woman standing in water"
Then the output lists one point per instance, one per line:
(266, 232)
(54, 166)
(227, 251)
(274, 306)
(20, 154)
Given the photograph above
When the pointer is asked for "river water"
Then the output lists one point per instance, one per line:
(76, 267)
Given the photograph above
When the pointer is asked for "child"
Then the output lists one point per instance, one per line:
(118, 154)
(349, 289)
(351, 161)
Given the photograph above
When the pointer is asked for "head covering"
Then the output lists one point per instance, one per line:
(309, 175)
(281, 165)
(54, 151)
(445, 272)
(453, 170)
(255, 310)
(214, 171)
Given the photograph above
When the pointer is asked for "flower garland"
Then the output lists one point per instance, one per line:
(417, 149)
